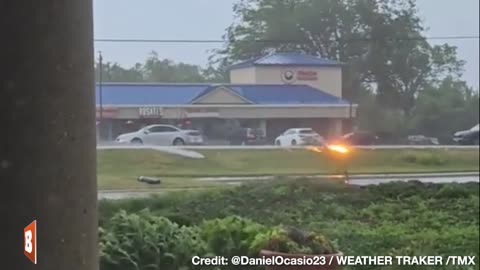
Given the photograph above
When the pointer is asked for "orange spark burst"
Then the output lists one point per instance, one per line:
(314, 149)
(338, 148)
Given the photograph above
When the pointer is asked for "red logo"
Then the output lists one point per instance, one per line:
(30, 241)
(306, 75)
(107, 112)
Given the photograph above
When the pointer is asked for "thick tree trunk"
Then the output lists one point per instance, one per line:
(47, 158)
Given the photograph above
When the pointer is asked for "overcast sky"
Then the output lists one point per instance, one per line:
(207, 19)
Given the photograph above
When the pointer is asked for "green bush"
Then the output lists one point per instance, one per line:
(231, 236)
(453, 190)
(292, 240)
(239, 236)
(145, 241)
(399, 218)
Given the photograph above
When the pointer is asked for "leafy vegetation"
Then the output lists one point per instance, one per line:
(153, 69)
(233, 235)
(389, 219)
(144, 241)
(294, 241)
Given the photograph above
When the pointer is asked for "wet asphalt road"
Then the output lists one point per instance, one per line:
(260, 147)
(359, 180)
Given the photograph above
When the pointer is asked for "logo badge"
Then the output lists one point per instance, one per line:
(288, 76)
(30, 241)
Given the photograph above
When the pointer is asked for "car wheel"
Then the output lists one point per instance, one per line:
(277, 143)
(178, 141)
(294, 142)
(136, 141)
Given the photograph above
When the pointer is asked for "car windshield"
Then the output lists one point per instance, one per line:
(306, 131)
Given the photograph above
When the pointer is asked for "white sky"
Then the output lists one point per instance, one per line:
(208, 19)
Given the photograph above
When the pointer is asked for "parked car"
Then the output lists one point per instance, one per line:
(246, 136)
(388, 138)
(299, 136)
(359, 138)
(467, 137)
(422, 140)
(162, 135)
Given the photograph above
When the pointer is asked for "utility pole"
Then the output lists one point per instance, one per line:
(351, 110)
(351, 115)
(47, 160)
(100, 93)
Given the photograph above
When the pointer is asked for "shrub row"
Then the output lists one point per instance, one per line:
(390, 219)
(145, 241)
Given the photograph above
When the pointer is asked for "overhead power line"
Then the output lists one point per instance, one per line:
(113, 40)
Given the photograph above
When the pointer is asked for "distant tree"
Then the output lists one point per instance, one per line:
(153, 70)
(157, 70)
(217, 70)
(381, 43)
(376, 118)
(410, 67)
(113, 72)
(441, 110)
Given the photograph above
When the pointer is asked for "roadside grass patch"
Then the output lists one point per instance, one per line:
(427, 158)
(119, 169)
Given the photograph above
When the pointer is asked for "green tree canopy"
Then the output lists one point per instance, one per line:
(441, 110)
(381, 43)
(153, 70)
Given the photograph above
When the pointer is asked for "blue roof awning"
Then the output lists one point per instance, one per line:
(287, 59)
(143, 94)
(285, 94)
(119, 94)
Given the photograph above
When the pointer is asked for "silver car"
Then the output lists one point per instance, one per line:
(162, 135)
(299, 136)
(422, 139)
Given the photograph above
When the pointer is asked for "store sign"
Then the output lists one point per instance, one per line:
(147, 112)
(201, 112)
(307, 75)
(107, 112)
(290, 76)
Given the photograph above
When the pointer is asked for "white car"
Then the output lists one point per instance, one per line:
(162, 135)
(422, 139)
(299, 136)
